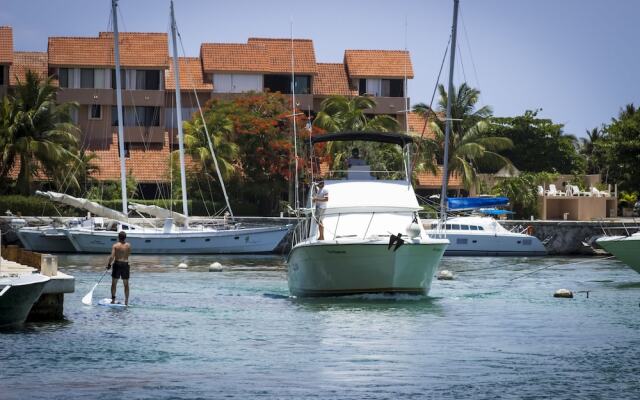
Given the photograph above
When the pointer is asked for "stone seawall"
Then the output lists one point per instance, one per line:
(572, 237)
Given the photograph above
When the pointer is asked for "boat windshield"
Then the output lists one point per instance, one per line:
(363, 161)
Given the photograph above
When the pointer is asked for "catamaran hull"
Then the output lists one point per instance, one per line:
(494, 245)
(17, 301)
(48, 240)
(253, 240)
(626, 249)
(325, 269)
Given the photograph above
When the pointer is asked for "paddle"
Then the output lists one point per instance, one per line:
(88, 298)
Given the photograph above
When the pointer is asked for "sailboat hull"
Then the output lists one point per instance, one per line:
(233, 241)
(45, 240)
(334, 269)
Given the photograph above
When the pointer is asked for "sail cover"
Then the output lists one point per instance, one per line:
(462, 203)
(91, 206)
(159, 212)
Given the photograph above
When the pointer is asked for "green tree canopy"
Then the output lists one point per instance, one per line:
(620, 148)
(538, 144)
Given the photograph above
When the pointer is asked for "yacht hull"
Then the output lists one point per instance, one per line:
(626, 249)
(19, 298)
(333, 269)
(250, 240)
(45, 240)
(494, 245)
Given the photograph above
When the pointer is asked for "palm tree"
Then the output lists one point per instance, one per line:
(342, 114)
(220, 129)
(469, 144)
(37, 131)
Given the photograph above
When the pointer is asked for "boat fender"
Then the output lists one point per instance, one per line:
(445, 275)
(563, 293)
(413, 230)
(215, 267)
(183, 266)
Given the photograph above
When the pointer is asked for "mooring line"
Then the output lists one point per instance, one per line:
(559, 265)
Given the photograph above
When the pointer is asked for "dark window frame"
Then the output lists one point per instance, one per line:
(63, 77)
(86, 75)
(93, 107)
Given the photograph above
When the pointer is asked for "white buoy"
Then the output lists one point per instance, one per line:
(563, 293)
(215, 267)
(183, 266)
(445, 275)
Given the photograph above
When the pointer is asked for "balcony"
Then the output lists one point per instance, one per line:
(304, 101)
(107, 97)
(143, 134)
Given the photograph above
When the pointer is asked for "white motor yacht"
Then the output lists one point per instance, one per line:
(373, 239)
(625, 248)
(484, 236)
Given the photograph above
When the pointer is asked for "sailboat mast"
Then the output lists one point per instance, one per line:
(116, 49)
(176, 74)
(295, 128)
(447, 130)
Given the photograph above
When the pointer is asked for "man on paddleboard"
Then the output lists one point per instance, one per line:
(120, 259)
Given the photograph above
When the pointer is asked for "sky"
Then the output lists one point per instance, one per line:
(577, 60)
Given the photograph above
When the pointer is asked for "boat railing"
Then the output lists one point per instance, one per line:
(365, 175)
(304, 228)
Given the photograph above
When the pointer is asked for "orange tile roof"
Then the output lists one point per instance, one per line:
(234, 57)
(148, 163)
(137, 50)
(24, 61)
(259, 55)
(279, 51)
(331, 80)
(191, 76)
(417, 123)
(6, 45)
(427, 180)
(378, 63)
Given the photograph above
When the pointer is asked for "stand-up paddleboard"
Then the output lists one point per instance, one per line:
(108, 303)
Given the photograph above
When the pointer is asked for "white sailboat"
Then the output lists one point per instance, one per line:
(625, 248)
(374, 241)
(53, 239)
(172, 239)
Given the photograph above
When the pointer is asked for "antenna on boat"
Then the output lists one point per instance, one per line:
(447, 130)
(183, 179)
(116, 50)
(295, 129)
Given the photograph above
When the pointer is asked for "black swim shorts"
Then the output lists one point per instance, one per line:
(120, 270)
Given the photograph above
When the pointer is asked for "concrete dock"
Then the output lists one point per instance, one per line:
(50, 305)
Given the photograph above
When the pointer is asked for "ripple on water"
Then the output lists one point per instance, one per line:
(238, 334)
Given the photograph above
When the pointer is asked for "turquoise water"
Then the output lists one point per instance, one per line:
(236, 334)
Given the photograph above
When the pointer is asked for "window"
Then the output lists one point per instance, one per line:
(1, 74)
(95, 111)
(303, 84)
(362, 86)
(455, 227)
(137, 116)
(148, 79)
(63, 77)
(278, 83)
(123, 77)
(473, 228)
(480, 228)
(86, 78)
(392, 88)
(464, 227)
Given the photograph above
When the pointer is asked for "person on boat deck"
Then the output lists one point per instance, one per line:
(321, 198)
(119, 259)
(355, 159)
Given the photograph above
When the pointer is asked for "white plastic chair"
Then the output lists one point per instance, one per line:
(553, 191)
(540, 191)
(594, 192)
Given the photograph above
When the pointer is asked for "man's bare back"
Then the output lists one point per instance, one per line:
(120, 252)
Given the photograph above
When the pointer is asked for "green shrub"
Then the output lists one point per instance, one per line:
(36, 206)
